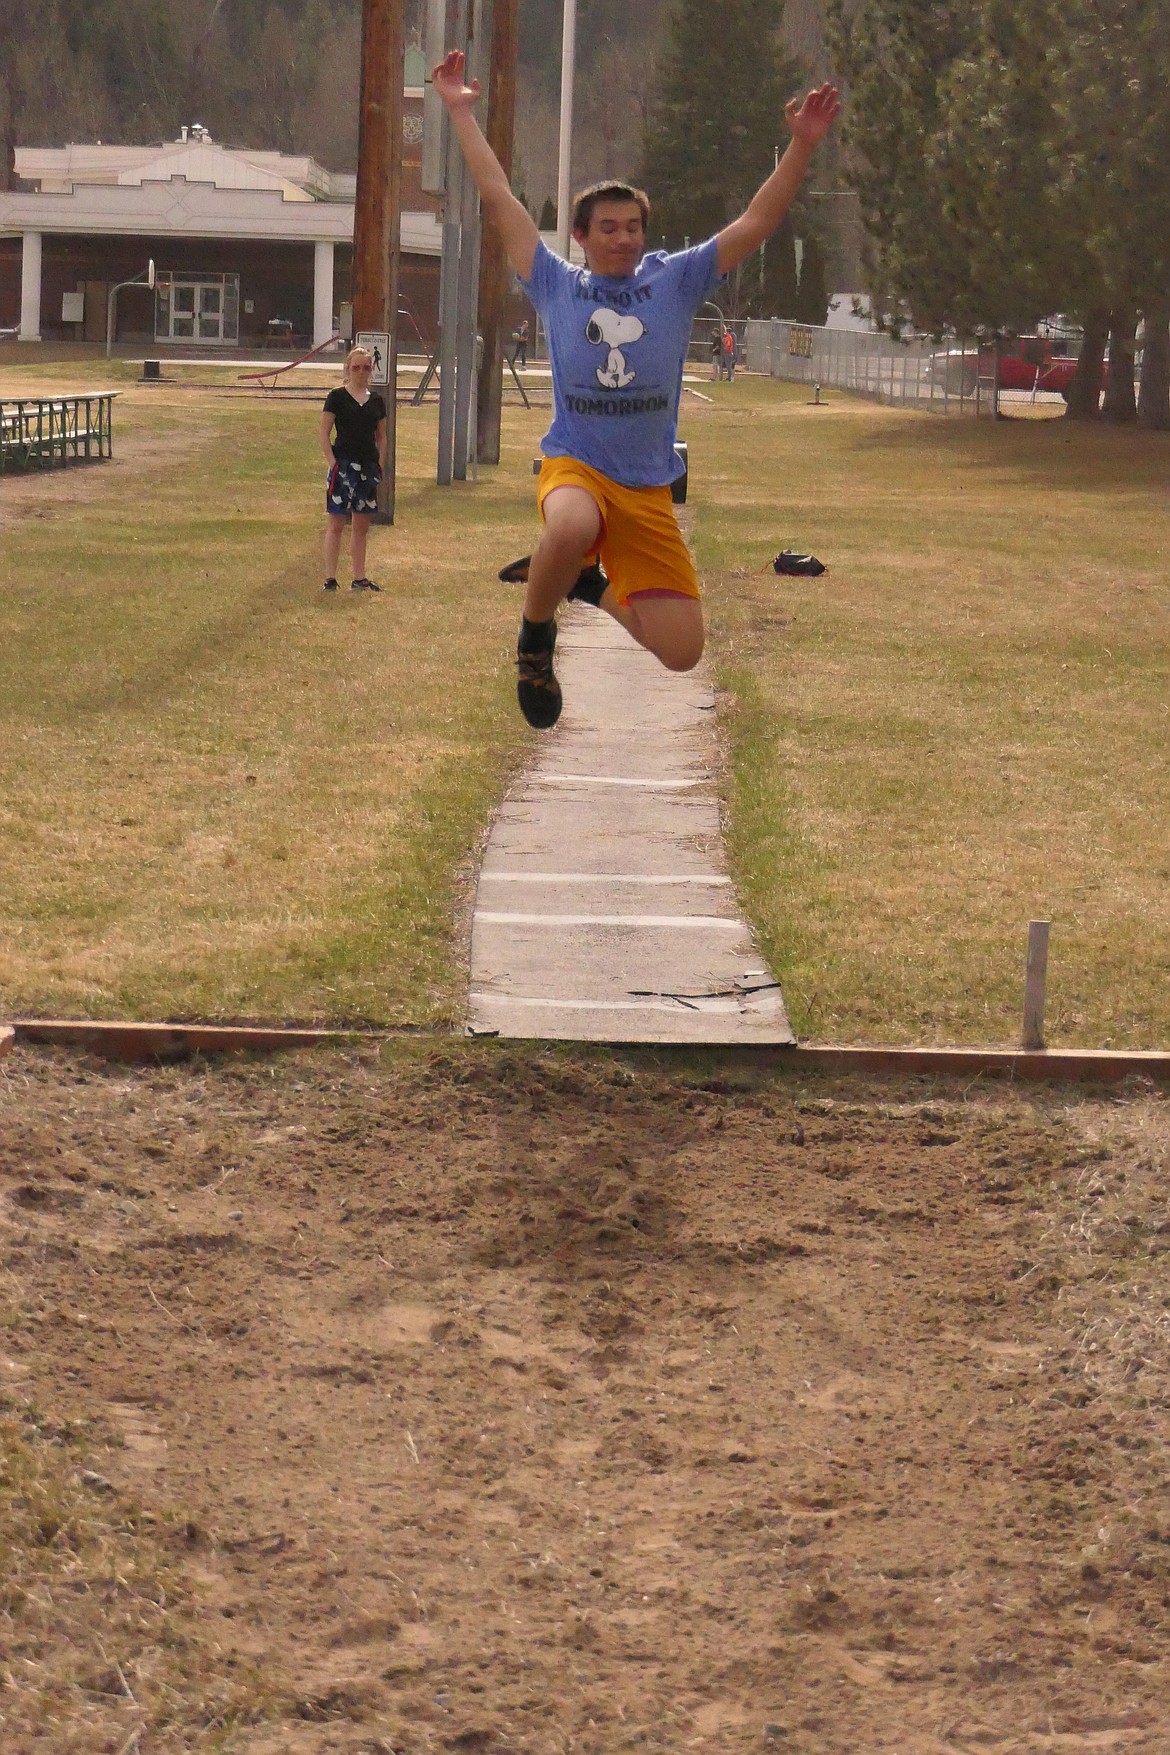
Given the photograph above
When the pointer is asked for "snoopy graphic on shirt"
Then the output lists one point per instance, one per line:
(613, 329)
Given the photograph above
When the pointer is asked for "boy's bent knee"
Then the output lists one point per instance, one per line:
(572, 519)
(567, 539)
(682, 658)
(671, 628)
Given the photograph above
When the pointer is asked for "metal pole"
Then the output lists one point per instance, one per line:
(494, 273)
(466, 365)
(146, 279)
(565, 153)
(378, 204)
(456, 37)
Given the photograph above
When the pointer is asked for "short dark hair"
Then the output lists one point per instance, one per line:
(587, 200)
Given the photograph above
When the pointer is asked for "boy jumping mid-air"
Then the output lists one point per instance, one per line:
(618, 332)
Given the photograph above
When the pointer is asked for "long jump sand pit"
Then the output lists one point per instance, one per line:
(485, 1399)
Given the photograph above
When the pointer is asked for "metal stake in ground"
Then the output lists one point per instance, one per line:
(1035, 982)
(377, 208)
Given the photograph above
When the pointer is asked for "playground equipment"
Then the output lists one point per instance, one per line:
(275, 372)
(267, 378)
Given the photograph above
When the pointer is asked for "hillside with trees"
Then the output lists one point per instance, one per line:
(270, 73)
(284, 74)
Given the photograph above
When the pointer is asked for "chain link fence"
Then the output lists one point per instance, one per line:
(904, 374)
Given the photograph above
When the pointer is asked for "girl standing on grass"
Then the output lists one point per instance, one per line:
(353, 443)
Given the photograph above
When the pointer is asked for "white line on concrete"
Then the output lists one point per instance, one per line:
(596, 877)
(705, 920)
(604, 780)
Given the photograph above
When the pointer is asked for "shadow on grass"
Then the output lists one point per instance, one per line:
(1057, 455)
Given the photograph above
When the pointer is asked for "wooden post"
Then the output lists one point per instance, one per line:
(494, 271)
(378, 206)
(1035, 982)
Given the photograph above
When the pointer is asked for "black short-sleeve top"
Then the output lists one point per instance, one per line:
(355, 439)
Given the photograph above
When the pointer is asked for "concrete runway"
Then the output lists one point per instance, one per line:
(603, 909)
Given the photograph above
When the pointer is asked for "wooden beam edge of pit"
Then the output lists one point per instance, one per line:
(136, 1041)
(1068, 1065)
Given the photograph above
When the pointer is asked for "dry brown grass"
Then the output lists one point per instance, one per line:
(224, 794)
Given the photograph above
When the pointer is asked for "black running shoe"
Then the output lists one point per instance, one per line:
(590, 586)
(329, 585)
(537, 689)
(364, 585)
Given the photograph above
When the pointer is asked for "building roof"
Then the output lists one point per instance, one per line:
(195, 157)
(191, 187)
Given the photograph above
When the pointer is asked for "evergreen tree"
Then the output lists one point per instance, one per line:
(548, 215)
(894, 55)
(1114, 101)
(953, 136)
(1011, 164)
(766, 285)
(812, 299)
(718, 115)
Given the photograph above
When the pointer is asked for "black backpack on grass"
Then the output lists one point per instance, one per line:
(789, 562)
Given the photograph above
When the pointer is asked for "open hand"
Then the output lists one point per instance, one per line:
(811, 120)
(447, 79)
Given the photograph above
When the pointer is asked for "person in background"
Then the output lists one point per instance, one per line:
(353, 443)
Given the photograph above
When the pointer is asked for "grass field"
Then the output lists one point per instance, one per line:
(227, 796)
(962, 726)
(223, 793)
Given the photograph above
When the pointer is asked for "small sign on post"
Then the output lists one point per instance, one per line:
(377, 344)
(1035, 982)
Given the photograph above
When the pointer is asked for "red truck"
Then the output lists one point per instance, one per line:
(1034, 363)
(1037, 362)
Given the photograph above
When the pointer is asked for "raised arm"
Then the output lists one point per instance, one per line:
(809, 123)
(510, 217)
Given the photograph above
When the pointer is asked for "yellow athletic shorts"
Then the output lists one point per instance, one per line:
(642, 547)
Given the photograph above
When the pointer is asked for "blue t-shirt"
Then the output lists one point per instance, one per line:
(617, 345)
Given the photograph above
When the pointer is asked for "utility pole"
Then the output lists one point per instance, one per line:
(494, 272)
(565, 149)
(378, 207)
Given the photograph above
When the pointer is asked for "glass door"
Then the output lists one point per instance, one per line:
(210, 318)
(182, 312)
(198, 307)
